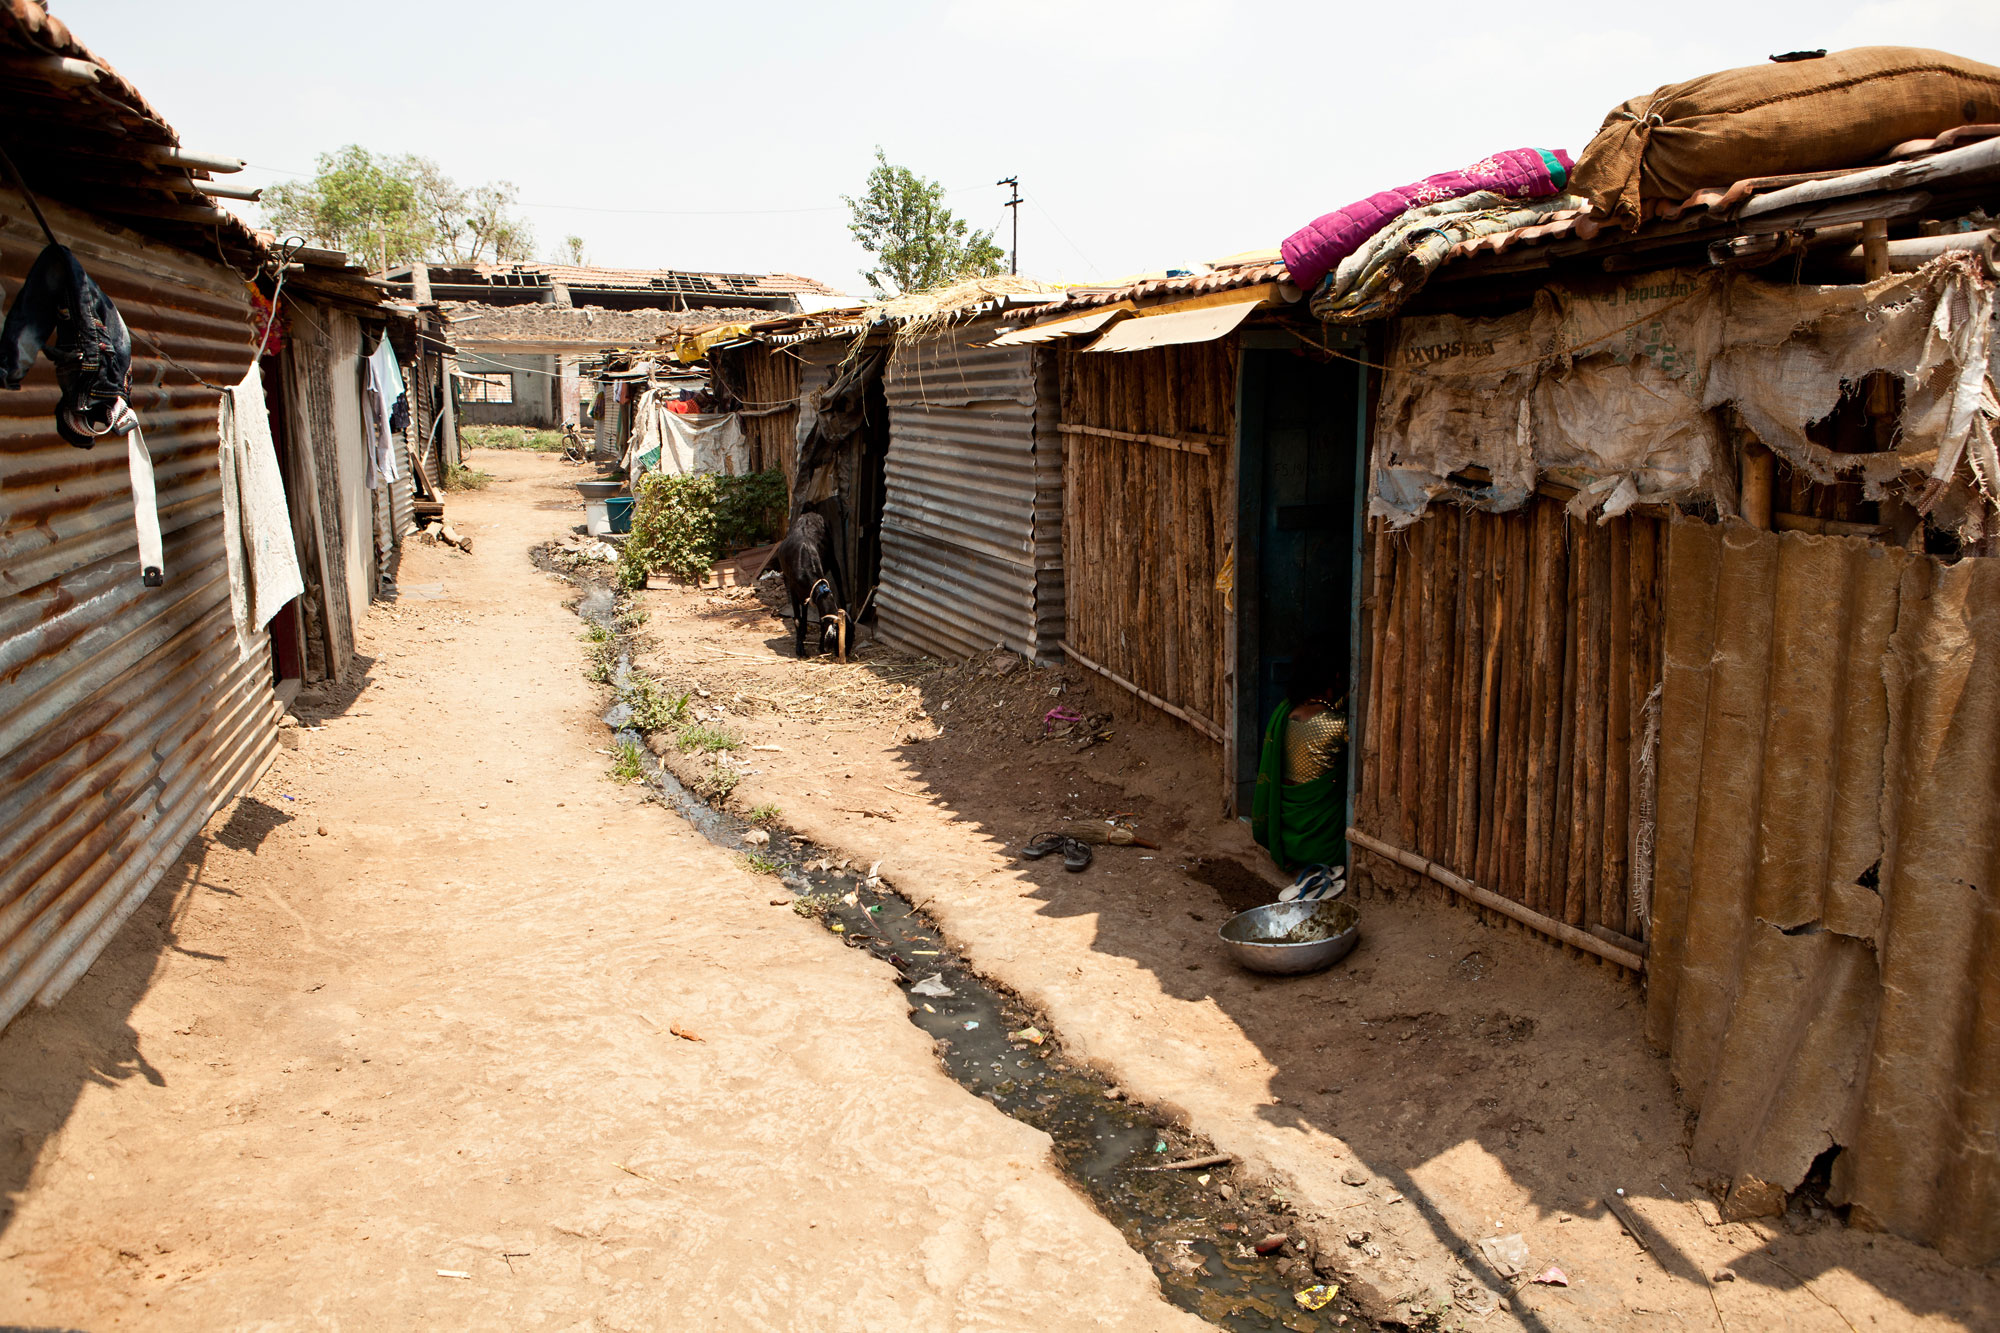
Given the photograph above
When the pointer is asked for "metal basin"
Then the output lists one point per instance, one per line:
(600, 490)
(1257, 938)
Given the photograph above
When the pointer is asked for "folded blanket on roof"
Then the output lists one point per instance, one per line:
(1402, 258)
(1519, 173)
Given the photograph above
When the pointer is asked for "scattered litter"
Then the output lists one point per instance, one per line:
(685, 1034)
(971, 1025)
(756, 837)
(1318, 1296)
(1028, 1034)
(1507, 1254)
(453, 1272)
(1272, 1243)
(933, 986)
(1203, 1179)
(1555, 1277)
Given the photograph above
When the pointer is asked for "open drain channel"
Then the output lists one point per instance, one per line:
(1200, 1243)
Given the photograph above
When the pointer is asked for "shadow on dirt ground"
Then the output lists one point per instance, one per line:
(1493, 1082)
(49, 1056)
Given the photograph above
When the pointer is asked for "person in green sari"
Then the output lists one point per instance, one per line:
(1298, 811)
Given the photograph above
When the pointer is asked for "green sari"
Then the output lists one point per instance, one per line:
(1299, 823)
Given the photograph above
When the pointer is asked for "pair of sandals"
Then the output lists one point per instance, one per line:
(1075, 852)
(1314, 884)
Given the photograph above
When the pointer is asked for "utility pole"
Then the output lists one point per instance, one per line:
(1014, 257)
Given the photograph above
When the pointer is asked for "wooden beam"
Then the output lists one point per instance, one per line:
(1527, 916)
(1199, 723)
(1185, 443)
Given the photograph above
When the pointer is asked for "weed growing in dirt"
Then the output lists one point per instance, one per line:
(653, 709)
(814, 904)
(603, 656)
(459, 477)
(715, 783)
(700, 738)
(596, 634)
(511, 437)
(625, 765)
(631, 617)
(764, 814)
(759, 864)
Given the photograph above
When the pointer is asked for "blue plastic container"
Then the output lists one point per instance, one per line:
(619, 508)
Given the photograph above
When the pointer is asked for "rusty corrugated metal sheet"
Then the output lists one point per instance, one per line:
(971, 527)
(1826, 945)
(1165, 289)
(126, 714)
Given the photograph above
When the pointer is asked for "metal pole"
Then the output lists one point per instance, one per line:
(1014, 257)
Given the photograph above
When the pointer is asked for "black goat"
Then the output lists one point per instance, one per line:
(805, 559)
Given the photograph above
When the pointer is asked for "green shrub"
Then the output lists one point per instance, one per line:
(749, 509)
(759, 864)
(682, 525)
(764, 814)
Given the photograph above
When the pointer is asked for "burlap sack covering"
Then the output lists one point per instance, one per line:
(1841, 110)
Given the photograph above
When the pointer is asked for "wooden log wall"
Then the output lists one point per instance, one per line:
(1147, 522)
(770, 393)
(1510, 660)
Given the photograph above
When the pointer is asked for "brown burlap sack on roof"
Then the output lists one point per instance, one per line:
(1840, 110)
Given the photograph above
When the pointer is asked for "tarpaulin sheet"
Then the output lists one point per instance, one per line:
(678, 443)
(1611, 387)
(1825, 964)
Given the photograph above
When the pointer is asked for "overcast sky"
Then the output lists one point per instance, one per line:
(1147, 133)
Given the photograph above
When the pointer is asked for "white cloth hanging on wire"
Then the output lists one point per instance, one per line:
(256, 524)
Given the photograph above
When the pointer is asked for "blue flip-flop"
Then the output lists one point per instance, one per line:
(1314, 883)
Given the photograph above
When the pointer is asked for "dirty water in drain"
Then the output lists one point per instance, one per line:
(1201, 1242)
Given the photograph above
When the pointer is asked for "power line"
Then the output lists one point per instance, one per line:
(649, 212)
(1087, 263)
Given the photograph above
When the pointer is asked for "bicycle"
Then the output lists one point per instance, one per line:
(574, 450)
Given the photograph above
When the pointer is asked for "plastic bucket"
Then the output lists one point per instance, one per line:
(619, 509)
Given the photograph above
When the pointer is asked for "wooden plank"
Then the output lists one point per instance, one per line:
(1182, 444)
(1200, 724)
(1459, 884)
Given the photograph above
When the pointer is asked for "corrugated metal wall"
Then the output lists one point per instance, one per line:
(126, 715)
(971, 527)
(1826, 953)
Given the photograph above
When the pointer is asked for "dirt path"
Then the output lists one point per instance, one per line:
(438, 996)
(1450, 1083)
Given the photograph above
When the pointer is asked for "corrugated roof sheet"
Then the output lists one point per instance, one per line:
(1200, 284)
(85, 136)
(679, 282)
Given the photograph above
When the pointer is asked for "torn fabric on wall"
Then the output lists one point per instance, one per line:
(1613, 388)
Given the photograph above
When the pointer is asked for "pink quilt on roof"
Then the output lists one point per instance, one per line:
(1317, 248)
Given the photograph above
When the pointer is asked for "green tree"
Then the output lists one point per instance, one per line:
(356, 202)
(571, 252)
(392, 211)
(918, 242)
